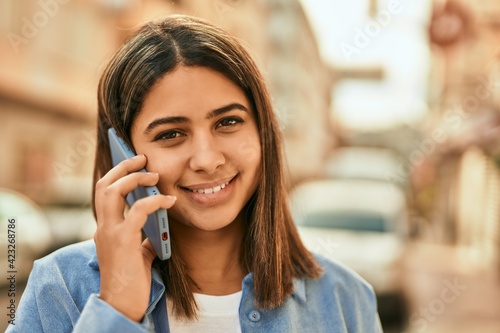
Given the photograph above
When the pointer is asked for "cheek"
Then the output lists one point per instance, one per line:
(247, 151)
(248, 159)
(169, 168)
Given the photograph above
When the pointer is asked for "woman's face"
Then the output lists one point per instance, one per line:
(198, 131)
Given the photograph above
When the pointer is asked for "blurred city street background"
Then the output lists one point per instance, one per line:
(390, 111)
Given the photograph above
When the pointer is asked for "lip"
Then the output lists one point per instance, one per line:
(210, 199)
(208, 185)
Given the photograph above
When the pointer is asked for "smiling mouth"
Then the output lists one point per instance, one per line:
(209, 190)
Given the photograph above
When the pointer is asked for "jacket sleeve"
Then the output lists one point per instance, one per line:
(99, 316)
(48, 305)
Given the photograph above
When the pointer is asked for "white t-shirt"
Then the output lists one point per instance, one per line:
(216, 314)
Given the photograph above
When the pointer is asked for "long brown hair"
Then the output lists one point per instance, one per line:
(272, 250)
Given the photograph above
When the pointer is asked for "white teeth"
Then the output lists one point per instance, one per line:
(211, 189)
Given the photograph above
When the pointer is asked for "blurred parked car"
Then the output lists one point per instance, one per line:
(380, 164)
(30, 234)
(360, 223)
(70, 224)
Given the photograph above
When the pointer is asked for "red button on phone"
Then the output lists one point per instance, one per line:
(164, 236)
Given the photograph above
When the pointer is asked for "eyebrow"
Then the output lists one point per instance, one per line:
(182, 120)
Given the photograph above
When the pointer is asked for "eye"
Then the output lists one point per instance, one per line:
(229, 122)
(168, 135)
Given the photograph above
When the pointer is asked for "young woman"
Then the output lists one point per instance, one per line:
(192, 103)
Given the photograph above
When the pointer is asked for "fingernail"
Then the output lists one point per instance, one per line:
(136, 157)
(171, 197)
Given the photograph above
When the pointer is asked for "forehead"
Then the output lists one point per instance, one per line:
(190, 90)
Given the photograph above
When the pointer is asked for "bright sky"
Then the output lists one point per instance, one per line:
(395, 39)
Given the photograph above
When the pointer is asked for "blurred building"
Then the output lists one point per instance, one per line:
(455, 175)
(455, 181)
(53, 51)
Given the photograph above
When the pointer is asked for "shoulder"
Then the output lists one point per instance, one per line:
(72, 269)
(58, 288)
(340, 298)
(76, 255)
(336, 273)
(343, 283)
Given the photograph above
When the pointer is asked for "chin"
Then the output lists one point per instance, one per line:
(206, 222)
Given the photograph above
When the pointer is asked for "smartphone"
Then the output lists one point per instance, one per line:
(156, 227)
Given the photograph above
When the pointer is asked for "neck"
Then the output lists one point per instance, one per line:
(213, 257)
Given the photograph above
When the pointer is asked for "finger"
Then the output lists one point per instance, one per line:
(115, 194)
(140, 210)
(130, 182)
(120, 170)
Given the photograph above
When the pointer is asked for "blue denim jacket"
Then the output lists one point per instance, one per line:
(61, 296)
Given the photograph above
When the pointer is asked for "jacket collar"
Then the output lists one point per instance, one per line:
(158, 288)
(93, 261)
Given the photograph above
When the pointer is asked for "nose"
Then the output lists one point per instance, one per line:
(206, 155)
